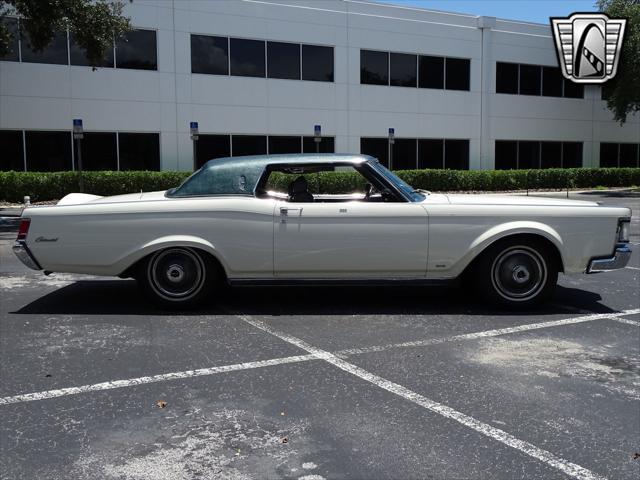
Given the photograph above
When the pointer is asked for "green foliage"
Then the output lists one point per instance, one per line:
(55, 185)
(623, 92)
(93, 23)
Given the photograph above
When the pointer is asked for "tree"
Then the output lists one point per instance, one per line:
(623, 92)
(93, 23)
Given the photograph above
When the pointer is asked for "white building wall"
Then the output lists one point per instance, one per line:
(37, 96)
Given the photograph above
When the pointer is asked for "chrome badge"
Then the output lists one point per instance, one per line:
(588, 46)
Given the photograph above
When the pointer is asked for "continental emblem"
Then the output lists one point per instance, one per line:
(588, 46)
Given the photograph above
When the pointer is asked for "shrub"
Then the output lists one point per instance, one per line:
(41, 186)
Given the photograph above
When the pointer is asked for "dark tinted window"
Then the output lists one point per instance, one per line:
(571, 154)
(48, 151)
(552, 81)
(528, 155)
(249, 145)
(78, 56)
(374, 67)
(247, 57)
(403, 70)
(283, 60)
(506, 77)
(606, 89)
(628, 155)
(209, 55)
(317, 63)
(551, 155)
(456, 154)
(573, 90)
(137, 50)
(139, 151)
(608, 155)
(209, 147)
(12, 157)
(377, 148)
(55, 52)
(457, 73)
(99, 151)
(506, 154)
(327, 145)
(282, 144)
(431, 72)
(404, 154)
(430, 153)
(530, 80)
(13, 50)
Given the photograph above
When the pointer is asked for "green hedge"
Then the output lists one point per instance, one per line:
(54, 185)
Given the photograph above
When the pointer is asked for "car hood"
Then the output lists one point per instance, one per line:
(472, 199)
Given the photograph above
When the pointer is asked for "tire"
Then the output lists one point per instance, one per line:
(177, 278)
(517, 273)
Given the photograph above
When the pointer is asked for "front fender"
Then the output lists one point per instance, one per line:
(161, 243)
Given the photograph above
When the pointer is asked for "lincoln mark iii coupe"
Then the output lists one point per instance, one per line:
(269, 219)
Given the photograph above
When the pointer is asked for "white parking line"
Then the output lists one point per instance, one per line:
(30, 397)
(627, 321)
(568, 468)
(633, 268)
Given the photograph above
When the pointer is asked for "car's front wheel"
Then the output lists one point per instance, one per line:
(517, 273)
(177, 277)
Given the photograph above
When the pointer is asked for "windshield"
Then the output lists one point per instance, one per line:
(400, 184)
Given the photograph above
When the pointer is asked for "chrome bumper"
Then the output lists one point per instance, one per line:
(25, 256)
(620, 258)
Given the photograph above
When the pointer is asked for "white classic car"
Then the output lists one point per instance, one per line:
(232, 221)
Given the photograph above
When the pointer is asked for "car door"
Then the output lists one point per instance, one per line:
(350, 239)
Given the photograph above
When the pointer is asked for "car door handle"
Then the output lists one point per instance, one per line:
(284, 211)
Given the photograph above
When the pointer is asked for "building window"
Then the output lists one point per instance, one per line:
(99, 151)
(247, 57)
(404, 154)
(374, 67)
(210, 147)
(430, 153)
(552, 81)
(327, 145)
(614, 155)
(431, 72)
(78, 55)
(507, 75)
(139, 151)
(209, 55)
(13, 53)
(403, 68)
(317, 63)
(526, 154)
(376, 148)
(456, 154)
(137, 50)
(54, 53)
(48, 151)
(457, 73)
(283, 60)
(11, 146)
(284, 144)
(530, 80)
(249, 145)
(573, 90)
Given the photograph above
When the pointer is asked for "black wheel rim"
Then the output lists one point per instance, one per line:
(176, 274)
(518, 273)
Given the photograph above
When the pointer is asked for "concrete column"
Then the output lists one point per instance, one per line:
(487, 160)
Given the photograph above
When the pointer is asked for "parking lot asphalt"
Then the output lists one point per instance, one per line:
(319, 383)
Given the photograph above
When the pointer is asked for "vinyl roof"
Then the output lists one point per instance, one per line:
(294, 158)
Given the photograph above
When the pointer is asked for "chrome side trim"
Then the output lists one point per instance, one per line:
(23, 253)
(620, 258)
(302, 282)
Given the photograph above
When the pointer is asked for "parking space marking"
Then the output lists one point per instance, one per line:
(565, 466)
(30, 397)
(44, 395)
(633, 268)
(627, 321)
(490, 333)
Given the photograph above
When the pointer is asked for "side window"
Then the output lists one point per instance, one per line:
(342, 183)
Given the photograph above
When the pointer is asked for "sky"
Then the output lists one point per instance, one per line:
(537, 11)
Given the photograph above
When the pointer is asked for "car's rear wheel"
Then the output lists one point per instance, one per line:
(517, 273)
(177, 277)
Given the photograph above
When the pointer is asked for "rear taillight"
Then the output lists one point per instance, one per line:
(23, 230)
